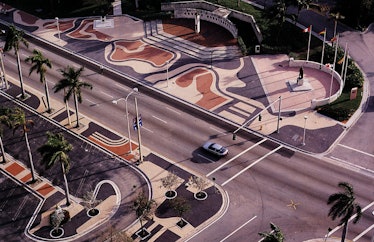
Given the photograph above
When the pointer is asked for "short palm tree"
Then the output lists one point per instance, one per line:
(19, 121)
(4, 121)
(73, 85)
(344, 206)
(40, 64)
(275, 235)
(12, 41)
(143, 207)
(56, 149)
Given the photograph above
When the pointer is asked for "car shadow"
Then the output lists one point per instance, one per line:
(202, 156)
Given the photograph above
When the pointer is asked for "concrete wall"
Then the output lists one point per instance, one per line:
(310, 64)
(210, 7)
(207, 16)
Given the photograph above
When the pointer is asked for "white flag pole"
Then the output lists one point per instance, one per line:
(323, 47)
(310, 36)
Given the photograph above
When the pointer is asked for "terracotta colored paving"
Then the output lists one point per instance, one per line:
(27, 177)
(86, 31)
(28, 18)
(63, 25)
(45, 189)
(14, 169)
(146, 53)
(121, 150)
(204, 81)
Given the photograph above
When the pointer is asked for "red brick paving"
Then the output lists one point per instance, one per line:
(14, 169)
(26, 178)
(45, 189)
(121, 150)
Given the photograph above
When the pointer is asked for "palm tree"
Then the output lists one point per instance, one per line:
(56, 149)
(40, 64)
(4, 121)
(12, 41)
(73, 84)
(19, 120)
(275, 235)
(344, 206)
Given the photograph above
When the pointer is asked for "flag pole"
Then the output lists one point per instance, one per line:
(333, 67)
(310, 36)
(323, 46)
(345, 54)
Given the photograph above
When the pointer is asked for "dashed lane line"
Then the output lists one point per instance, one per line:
(160, 119)
(236, 230)
(175, 111)
(122, 87)
(106, 94)
(359, 151)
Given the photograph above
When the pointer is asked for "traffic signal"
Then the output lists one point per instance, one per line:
(233, 136)
(259, 117)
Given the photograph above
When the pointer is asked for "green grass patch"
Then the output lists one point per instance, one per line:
(342, 108)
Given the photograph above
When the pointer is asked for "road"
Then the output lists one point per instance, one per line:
(257, 197)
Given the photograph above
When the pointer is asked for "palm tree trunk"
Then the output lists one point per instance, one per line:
(66, 185)
(47, 96)
(2, 149)
(23, 95)
(76, 109)
(30, 158)
(344, 232)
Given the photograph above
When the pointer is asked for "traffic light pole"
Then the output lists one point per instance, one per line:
(138, 129)
(260, 117)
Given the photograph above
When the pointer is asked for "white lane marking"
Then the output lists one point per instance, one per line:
(121, 86)
(359, 151)
(236, 230)
(233, 158)
(147, 129)
(88, 100)
(106, 94)
(351, 165)
(363, 233)
(159, 119)
(220, 131)
(175, 111)
(351, 218)
(206, 158)
(254, 163)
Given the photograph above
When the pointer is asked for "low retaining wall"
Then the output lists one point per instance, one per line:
(207, 16)
(314, 65)
(210, 7)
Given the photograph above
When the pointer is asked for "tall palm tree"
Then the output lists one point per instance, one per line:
(12, 41)
(19, 120)
(4, 121)
(73, 85)
(344, 206)
(40, 64)
(275, 235)
(56, 149)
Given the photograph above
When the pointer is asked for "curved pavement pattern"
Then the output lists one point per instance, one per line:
(232, 88)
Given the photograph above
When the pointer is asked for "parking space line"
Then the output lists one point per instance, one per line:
(240, 227)
(359, 151)
(245, 151)
(254, 163)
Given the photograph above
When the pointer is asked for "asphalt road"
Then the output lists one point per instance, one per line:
(264, 191)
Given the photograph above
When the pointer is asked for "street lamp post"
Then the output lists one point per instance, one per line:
(3, 69)
(58, 29)
(305, 118)
(167, 73)
(279, 113)
(138, 129)
(127, 114)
